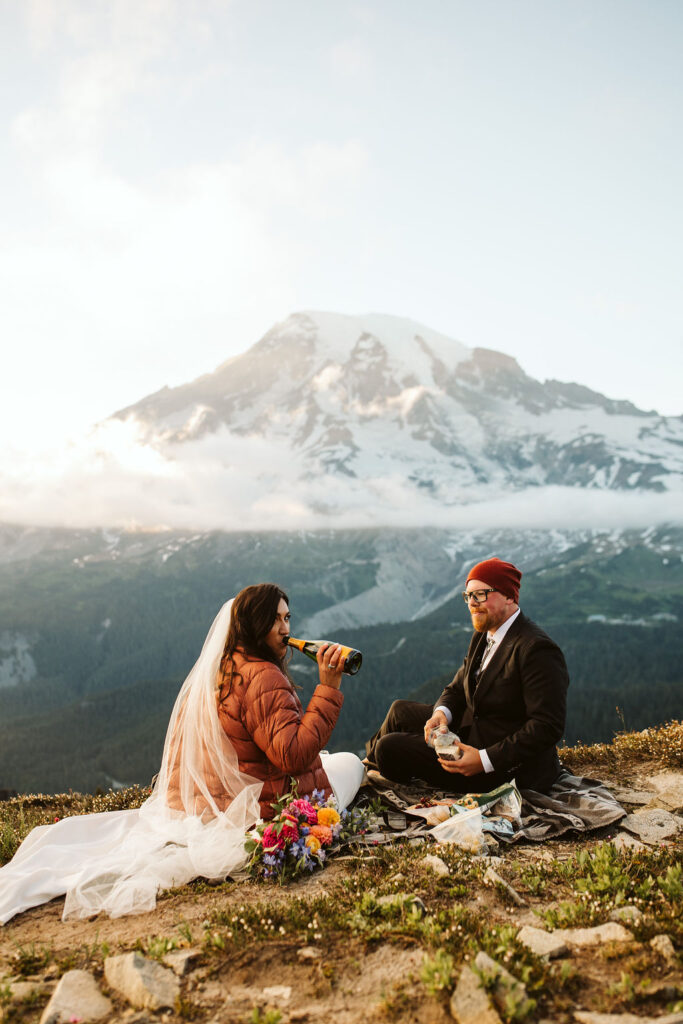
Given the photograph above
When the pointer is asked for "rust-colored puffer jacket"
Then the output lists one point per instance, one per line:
(274, 738)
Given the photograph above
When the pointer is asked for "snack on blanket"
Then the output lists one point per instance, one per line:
(468, 801)
(445, 744)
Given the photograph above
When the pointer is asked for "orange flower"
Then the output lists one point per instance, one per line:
(323, 833)
(328, 816)
(313, 843)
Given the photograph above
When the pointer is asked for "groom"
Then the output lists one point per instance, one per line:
(507, 701)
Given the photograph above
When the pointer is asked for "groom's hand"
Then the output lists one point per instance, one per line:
(469, 763)
(437, 721)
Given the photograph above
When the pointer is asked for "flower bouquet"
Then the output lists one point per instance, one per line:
(301, 834)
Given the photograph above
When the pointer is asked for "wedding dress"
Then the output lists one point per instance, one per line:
(116, 861)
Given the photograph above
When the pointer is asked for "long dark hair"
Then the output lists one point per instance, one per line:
(252, 616)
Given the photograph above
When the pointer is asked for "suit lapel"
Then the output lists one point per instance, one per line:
(487, 677)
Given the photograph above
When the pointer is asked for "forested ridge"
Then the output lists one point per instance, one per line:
(113, 641)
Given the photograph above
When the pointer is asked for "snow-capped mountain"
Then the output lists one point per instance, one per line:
(329, 413)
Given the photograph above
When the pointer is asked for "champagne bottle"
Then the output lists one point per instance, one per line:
(353, 658)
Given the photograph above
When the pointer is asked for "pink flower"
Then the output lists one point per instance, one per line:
(303, 809)
(290, 831)
(270, 839)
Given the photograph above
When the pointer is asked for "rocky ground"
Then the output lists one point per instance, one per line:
(587, 929)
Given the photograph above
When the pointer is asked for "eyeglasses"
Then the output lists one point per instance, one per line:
(478, 596)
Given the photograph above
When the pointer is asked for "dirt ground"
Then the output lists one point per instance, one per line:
(345, 979)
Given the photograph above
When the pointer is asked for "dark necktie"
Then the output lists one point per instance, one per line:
(487, 649)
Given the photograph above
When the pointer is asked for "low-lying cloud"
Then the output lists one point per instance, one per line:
(111, 479)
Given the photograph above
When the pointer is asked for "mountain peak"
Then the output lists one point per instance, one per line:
(382, 416)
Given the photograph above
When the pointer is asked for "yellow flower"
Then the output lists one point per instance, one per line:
(327, 816)
(313, 843)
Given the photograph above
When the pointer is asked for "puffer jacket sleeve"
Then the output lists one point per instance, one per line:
(272, 714)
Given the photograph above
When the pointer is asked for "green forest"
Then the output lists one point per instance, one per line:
(113, 640)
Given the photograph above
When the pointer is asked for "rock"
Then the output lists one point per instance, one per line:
(493, 878)
(664, 990)
(401, 900)
(181, 960)
(277, 993)
(144, 983)
(506, 983)
(308, 953)
(77, 997)
(669, 788)
(624, 841)
(633, 797)
(437, 865)
(542, 943)
(651, 825)
(470, 1004)
(588, 1017)
(20, 989)
(664, 947)
(611, 932)
(627, 915)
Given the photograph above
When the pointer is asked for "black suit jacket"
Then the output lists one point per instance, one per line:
(517, 710)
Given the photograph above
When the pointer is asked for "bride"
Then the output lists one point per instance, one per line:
(237, 738)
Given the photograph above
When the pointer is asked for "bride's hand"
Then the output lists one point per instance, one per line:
(330, 665)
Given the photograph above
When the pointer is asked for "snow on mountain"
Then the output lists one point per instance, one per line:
(332, 413)
(347, 422)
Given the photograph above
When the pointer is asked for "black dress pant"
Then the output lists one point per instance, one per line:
(398, 750)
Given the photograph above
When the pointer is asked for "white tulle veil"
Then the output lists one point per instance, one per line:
(193, 824)
(195, 821)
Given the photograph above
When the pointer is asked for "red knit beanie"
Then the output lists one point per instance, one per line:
(503, 576)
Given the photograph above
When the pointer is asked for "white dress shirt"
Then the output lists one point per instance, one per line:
(494, 640)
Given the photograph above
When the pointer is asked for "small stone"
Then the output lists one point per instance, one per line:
(308, 953)
(610, 932)
(506, 983)
(144, 983)
(588, 1017)
(181, 960)
(664, 990)
(542, 943)
(494, 878)
(20, 990)
(651, 825)
(402, 899)
(632, 797)
(624, 841)
(627, 915)
(669, 787)
(76, 998)
(470, 1004)
(664, 947)
(437, 865)
(278, 993)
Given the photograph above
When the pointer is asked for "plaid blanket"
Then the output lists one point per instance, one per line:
(574, 804)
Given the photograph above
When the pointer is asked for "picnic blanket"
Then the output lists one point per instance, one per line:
(574, 803)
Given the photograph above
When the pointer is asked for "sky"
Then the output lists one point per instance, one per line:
(178, 175)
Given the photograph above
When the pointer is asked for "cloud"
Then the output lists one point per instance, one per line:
(139, 267)
(352, 59)
(111, 479)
